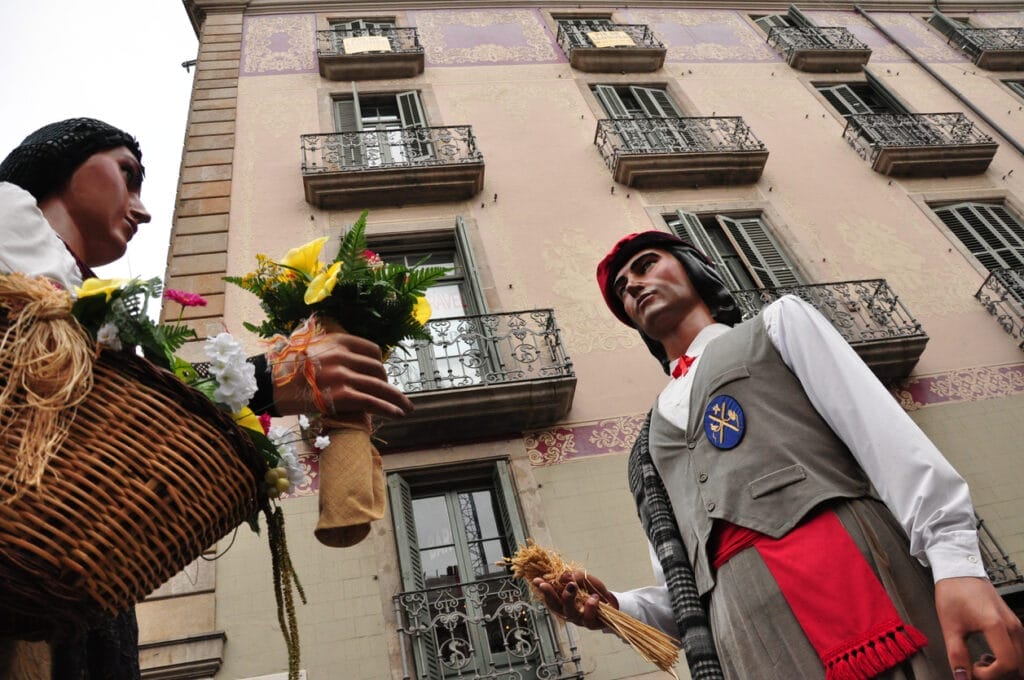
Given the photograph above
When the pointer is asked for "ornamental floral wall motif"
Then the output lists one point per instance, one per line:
(456, 38)
(882, 50)
(695, 36)
(278, 44)
(557, 445)
(969, 384)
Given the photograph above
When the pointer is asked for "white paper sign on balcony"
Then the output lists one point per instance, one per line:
(610, 39)
(366, 43)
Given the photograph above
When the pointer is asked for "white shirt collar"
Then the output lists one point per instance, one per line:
(706, 335)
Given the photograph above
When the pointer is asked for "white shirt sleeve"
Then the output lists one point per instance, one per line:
(651, 604)
(926, 495)
(28, 244)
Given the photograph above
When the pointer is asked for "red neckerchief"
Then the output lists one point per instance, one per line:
(683, 366)
(834, 594)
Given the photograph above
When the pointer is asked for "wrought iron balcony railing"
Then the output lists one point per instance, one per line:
(862, 311)
(481, 630)
(616, 137)
(485, 349)
(974, 41)
(1002, 294)
(379, 149)
(788, 39)
(332, 43)
(870, 134)
(571, 38)
(1001, 570)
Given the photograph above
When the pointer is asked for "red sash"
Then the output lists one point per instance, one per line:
(846, 614)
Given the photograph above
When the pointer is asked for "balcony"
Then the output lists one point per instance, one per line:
(920, 144)
(1002, 294)
(819, 50)
(993, 49)
(488, 629)
(369, 53)
(480, 377)
(623, 48)
(866, 313)
(662, 153)
(391, 167)
(1001, 569)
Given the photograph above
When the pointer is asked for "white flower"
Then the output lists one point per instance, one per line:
(280, 437)
(108, 336)
(222, 348)
(290, 462)
(303, 422)
(322, 442)
(236, 384)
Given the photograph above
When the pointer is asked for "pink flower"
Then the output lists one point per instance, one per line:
(373, 259)
(185, 299)
(265, 422)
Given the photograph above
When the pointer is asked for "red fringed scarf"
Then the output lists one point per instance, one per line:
(834, 594)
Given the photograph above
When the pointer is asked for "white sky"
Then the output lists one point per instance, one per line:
(116, 60)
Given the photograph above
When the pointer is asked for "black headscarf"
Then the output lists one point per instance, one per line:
(45, 160)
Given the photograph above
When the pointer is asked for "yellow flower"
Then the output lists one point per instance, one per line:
(323, 285)
(247, 419)
(106, 287)
(306, 259)
(421, 310)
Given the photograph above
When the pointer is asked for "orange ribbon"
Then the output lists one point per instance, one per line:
(289, 355)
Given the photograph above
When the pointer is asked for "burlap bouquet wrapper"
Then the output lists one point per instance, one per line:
(351, 482)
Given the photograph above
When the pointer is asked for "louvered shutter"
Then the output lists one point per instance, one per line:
(773, 20)
(348, 119)
(765, 260)
(473, 298)
(798, 18)
(633, 138)
(946, 25)
(844, 99)
(689, 228)
(413, 579)
(655, 103)
(990, 232)
(1016, 85)
(411, 114)
(886, 102)
(611, 102)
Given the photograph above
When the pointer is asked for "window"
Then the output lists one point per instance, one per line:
(650, 120)
(464, 612)
(1017, 86)
(793, 18)
(577, 28)
(458, 356)
(356, 28)
(989, 232)
(857, 98)
(393, 127)
(741, 246)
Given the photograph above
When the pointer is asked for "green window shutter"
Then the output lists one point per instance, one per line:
(611, 102)
(655, 103)
(885, 99)
(400, 499)
(476, 303)
(772, 21)
(504, 491)
(844, 99)
(798, 18)
(410, 110)
(689, 228)
(765, 260)
(989, 231)
(1016, 85)
(945, 25)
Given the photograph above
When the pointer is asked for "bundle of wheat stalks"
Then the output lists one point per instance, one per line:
(532, 561)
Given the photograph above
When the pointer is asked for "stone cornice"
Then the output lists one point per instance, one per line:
(199, 9)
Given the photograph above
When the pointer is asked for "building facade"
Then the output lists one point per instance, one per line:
(862, 157)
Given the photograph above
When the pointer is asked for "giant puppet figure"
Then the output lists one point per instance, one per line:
(778, 482)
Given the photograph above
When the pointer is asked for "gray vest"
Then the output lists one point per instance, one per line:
(787, 462)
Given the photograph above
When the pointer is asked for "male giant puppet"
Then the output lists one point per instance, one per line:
(778, 482)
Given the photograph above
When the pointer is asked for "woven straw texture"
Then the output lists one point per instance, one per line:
(151, 475)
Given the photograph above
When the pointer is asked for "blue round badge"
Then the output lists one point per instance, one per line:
(724, 424)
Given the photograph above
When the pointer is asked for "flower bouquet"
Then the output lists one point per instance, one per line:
(357, 293)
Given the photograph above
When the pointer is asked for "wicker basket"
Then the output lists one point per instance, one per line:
(151, 475)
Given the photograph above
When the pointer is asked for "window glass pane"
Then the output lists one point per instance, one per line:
(440, 566)
(446, 301)
(433, 527)
(478, 515)
(485, 556)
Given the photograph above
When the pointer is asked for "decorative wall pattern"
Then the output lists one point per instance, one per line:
(551, 447)
(969, 384)
(912, 31)
(279, 44)
(585, 321)
(881, 49)
(1000, 20)
(480, 37)
(695, 36)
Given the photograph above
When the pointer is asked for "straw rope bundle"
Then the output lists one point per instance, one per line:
(115, 489)
(532, 561)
